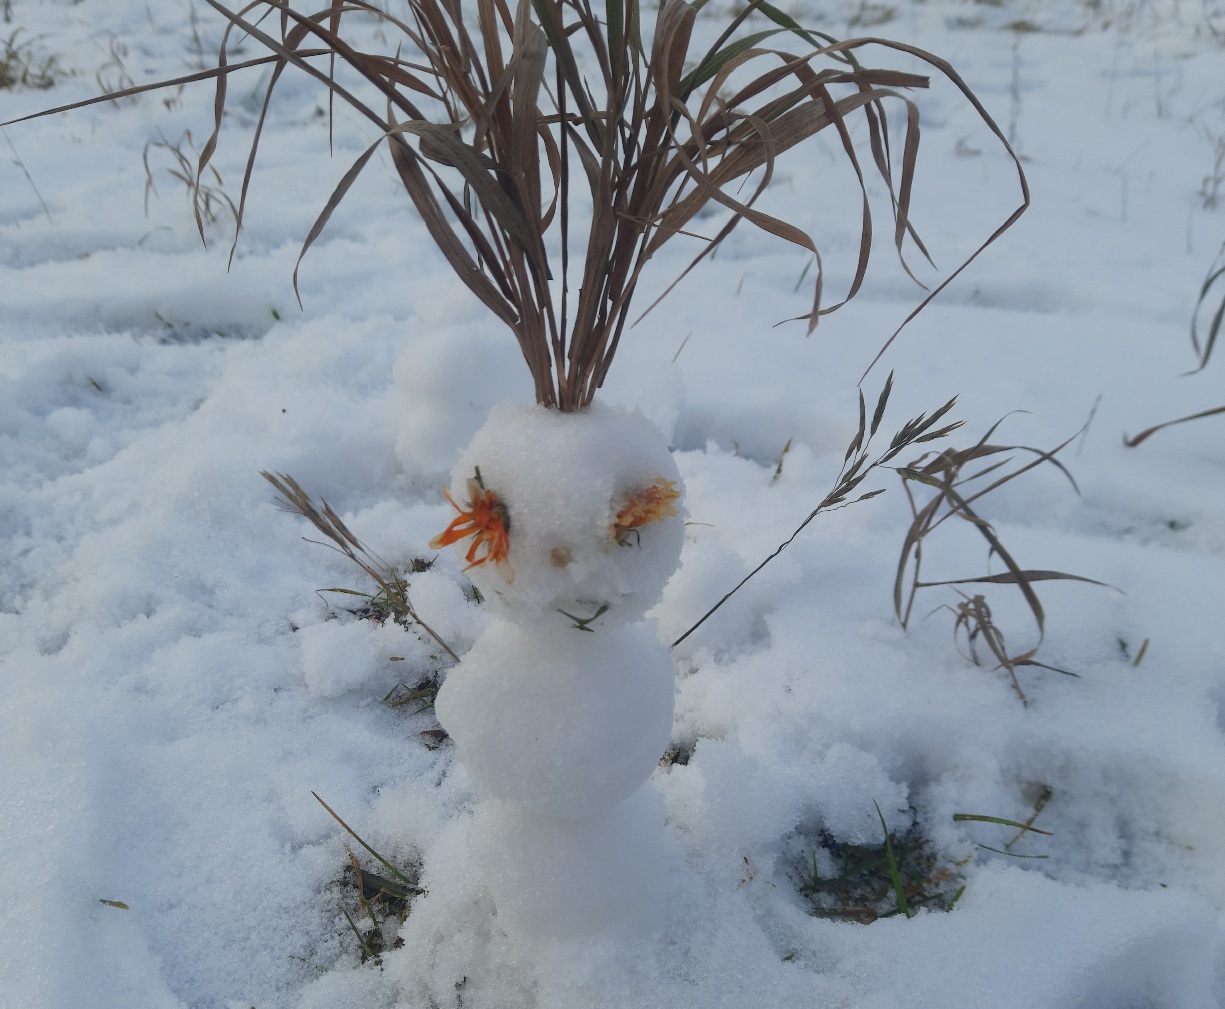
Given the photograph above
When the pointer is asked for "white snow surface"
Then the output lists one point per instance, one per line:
(557, 721)
(175, 680)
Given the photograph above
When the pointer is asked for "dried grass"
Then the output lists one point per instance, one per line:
(495, 114)
(392, 599)
(857, 464)
(1204, 343)
(955, 480)
(25, 64)
(209, 200)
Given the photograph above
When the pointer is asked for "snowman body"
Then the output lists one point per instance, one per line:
(570, 526)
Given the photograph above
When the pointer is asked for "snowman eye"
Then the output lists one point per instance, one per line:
(487, 522)
(648, 504)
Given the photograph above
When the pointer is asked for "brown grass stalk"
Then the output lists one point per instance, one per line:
(496, 112)
(949, 485)
(857, 464)
(1203, 344)
(393, 589)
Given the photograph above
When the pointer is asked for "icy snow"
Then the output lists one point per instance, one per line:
(172, 689)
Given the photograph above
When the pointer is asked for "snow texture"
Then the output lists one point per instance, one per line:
(559, 721)
(563, 479)
(173, 688)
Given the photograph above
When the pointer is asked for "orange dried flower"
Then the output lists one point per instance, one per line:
(487, 522)
(650, 504)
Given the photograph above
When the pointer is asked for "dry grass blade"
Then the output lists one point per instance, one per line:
(495, 111)
(1203, 350)
(1133, 441)
(140, 89)
(856, 466)
(393, 588)
(974, 620)
(206, 198)
(1203, 347)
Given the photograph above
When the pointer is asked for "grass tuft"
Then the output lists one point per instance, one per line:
(393, 895)
(24, 63)
(422, 694)
(948, 485)
(391, 600)
(872, 881)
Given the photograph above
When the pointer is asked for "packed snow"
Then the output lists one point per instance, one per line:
(563, 480)
(178, 673)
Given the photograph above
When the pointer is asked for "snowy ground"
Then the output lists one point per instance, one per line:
(173, 688)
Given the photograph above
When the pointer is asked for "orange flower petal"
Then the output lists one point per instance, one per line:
(650, 504)
(484, 520)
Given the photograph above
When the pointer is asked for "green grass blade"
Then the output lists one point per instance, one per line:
(895, 875)
(354, 835)
(960, 817)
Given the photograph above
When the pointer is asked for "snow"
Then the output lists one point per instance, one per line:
(562, 480)
(172, 688)
(563, 708)
(558, 721)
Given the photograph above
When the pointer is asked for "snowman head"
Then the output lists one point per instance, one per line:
(567, 517)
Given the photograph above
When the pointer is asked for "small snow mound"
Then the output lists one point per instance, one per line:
(338, 657)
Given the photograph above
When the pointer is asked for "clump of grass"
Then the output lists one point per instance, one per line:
(501, 118)
(949, 485)
(391, 601)
(24, 64)
(866, 882)
(391, 894)
(421, 694)
(903, 873)
(208, 200)
(857, 464)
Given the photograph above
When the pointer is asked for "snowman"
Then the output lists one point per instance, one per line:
(569, 525)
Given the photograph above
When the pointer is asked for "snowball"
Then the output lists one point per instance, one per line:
(563, 479)
(563, 722)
